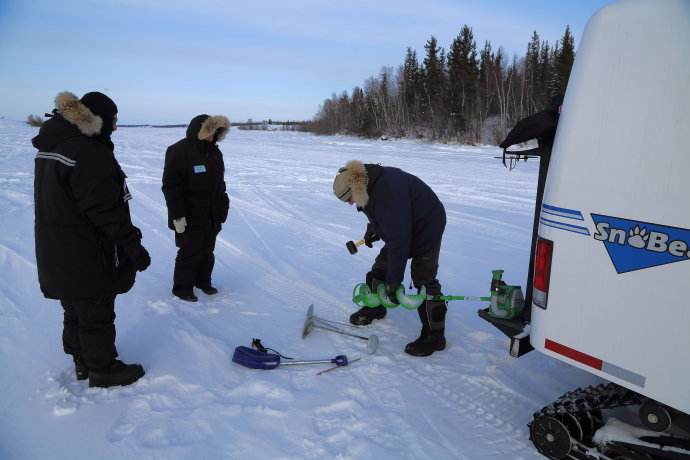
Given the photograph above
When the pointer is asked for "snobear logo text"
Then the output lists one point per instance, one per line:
(639, 238)
(634, 245)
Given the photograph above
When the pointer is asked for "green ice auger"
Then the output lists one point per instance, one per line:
(506, 302)
(362, 296)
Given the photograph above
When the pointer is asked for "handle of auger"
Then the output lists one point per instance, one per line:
(497, 283)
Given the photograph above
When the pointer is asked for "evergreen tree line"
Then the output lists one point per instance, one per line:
(465, 94)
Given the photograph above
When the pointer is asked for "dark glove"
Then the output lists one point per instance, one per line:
(143, 261)
(139, 256)
(225, 209)
(370, 236)
(137, 253)
(391, 292)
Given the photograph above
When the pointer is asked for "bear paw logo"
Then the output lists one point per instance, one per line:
(638, 237)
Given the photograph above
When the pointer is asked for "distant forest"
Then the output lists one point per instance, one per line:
(463, 95)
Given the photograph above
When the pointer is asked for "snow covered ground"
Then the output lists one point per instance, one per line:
(282, 249)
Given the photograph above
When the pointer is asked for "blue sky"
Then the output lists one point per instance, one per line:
(163, 61)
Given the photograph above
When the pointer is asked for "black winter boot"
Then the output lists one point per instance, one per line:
(432, 314)
(80, 369)
(427, 343)
(366, 315)
(118, 373)
(208, 290)
(187, 296)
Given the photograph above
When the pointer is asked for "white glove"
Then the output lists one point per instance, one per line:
(180, 224)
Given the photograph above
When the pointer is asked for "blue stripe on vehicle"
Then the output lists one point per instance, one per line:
(562, 214)
(566, 227)
(585, 229)
(563, 228)
(572, 212)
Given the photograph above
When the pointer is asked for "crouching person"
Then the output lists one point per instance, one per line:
(87, 250)
(195, 193)
(407, 215)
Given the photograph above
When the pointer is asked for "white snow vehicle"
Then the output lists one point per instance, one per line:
(613, 245)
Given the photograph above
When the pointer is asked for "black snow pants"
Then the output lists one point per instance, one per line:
(195, 259)
(88, 330)
(424, 268)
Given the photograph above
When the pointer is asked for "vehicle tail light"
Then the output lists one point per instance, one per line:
(542, 272)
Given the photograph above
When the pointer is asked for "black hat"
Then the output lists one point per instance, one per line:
(104, 107)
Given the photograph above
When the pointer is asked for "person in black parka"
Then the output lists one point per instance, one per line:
(87, 250)
(407, 215)
(195, 193)
(542, 127)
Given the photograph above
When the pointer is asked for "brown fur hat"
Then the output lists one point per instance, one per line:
(75, 112)
(217, 125)
(351, 182)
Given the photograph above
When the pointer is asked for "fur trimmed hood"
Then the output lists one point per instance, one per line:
(75, 112)
(351, 182)
(214, 124)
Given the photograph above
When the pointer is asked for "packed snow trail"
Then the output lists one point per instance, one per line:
(282, 249)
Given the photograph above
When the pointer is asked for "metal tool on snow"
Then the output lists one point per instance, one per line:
(352, 246)
(506, 301)
(312, 321)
